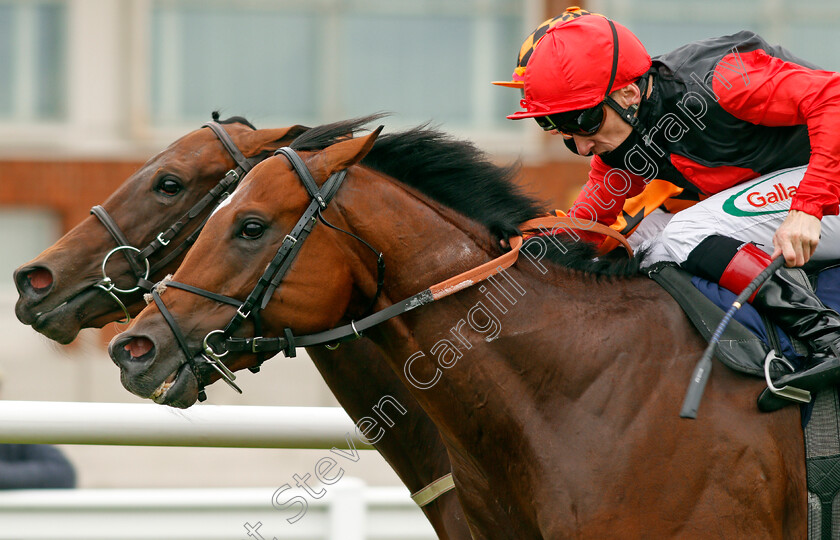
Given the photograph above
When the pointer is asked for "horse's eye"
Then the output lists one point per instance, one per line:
(168, 186)
(252, 230)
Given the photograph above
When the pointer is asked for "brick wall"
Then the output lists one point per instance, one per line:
(69, 188)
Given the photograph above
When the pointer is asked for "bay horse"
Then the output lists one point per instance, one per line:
(58, 296)
(557, 394)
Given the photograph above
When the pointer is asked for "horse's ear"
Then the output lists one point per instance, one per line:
(262, 140)
(343, 154)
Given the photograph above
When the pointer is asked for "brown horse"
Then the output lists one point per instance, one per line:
(556, 393)
(58, 297)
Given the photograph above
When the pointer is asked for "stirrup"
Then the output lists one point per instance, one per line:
(790, 393)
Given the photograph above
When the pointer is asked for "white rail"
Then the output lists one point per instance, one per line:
(133, 424)
(349, 511)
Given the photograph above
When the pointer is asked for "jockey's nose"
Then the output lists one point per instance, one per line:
(584, 145)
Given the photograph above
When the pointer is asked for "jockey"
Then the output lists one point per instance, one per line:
(747, 128)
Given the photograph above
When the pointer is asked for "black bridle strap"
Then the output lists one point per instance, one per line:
(264, 284)
(216, 194)
(170, 320)
(355, 328)
(203, 358)
(339, 334)
(303, 173)
(291, 245)
(118, 236)
(182, 247)
(202, 292)
(330, 187)
(246, 164)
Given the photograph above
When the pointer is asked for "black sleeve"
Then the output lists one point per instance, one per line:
(32, 466)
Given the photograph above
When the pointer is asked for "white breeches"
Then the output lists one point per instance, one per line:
(750, 212)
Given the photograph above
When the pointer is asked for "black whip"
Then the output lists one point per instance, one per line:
(701, 371)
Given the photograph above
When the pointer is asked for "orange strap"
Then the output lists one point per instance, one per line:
(552, 222)
(479, 273)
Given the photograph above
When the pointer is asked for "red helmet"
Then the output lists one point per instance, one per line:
(527, 48)
(573, 66)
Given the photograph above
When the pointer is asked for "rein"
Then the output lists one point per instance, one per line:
(282, 261)
(134, 255)
(279, 265)
(348, 332)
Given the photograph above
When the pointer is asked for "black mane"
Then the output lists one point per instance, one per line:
(320, 137)
(460, 176)
(232, 120)
(583, 256)
(456, 174)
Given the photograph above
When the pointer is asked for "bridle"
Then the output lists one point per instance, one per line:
(276, 271)
(267, 284)
(138, 258)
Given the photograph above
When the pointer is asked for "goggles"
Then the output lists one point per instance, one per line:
(586, 122)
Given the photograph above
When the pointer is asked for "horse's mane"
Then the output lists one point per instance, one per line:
(460, 176)
(320, 137)
(583, 256)
(232, 120)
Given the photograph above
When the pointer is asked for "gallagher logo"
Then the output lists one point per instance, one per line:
(757, 200)
(762, 197)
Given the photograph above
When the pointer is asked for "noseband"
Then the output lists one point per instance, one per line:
(267, 283)
(138, 259)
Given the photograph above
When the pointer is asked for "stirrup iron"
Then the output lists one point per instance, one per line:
(790, 393)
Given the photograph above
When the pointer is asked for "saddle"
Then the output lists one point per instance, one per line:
(749, 337)
(751, 344)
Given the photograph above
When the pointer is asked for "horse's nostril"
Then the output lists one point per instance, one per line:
(40, 279)
(139, 346)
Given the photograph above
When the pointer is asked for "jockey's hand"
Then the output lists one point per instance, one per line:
(797, 238)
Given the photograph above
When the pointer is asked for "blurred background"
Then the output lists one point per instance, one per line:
(90, 89)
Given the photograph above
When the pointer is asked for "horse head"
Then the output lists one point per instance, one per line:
(81, 282)
(160, 356)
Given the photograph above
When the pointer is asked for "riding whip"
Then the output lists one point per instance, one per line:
(701, 371)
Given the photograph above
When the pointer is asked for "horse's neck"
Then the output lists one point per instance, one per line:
(526, 338)
(423, 241)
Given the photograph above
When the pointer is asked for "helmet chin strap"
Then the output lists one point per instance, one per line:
(629, 114)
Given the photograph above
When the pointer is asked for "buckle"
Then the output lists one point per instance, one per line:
(162, 240)
(243, 315)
